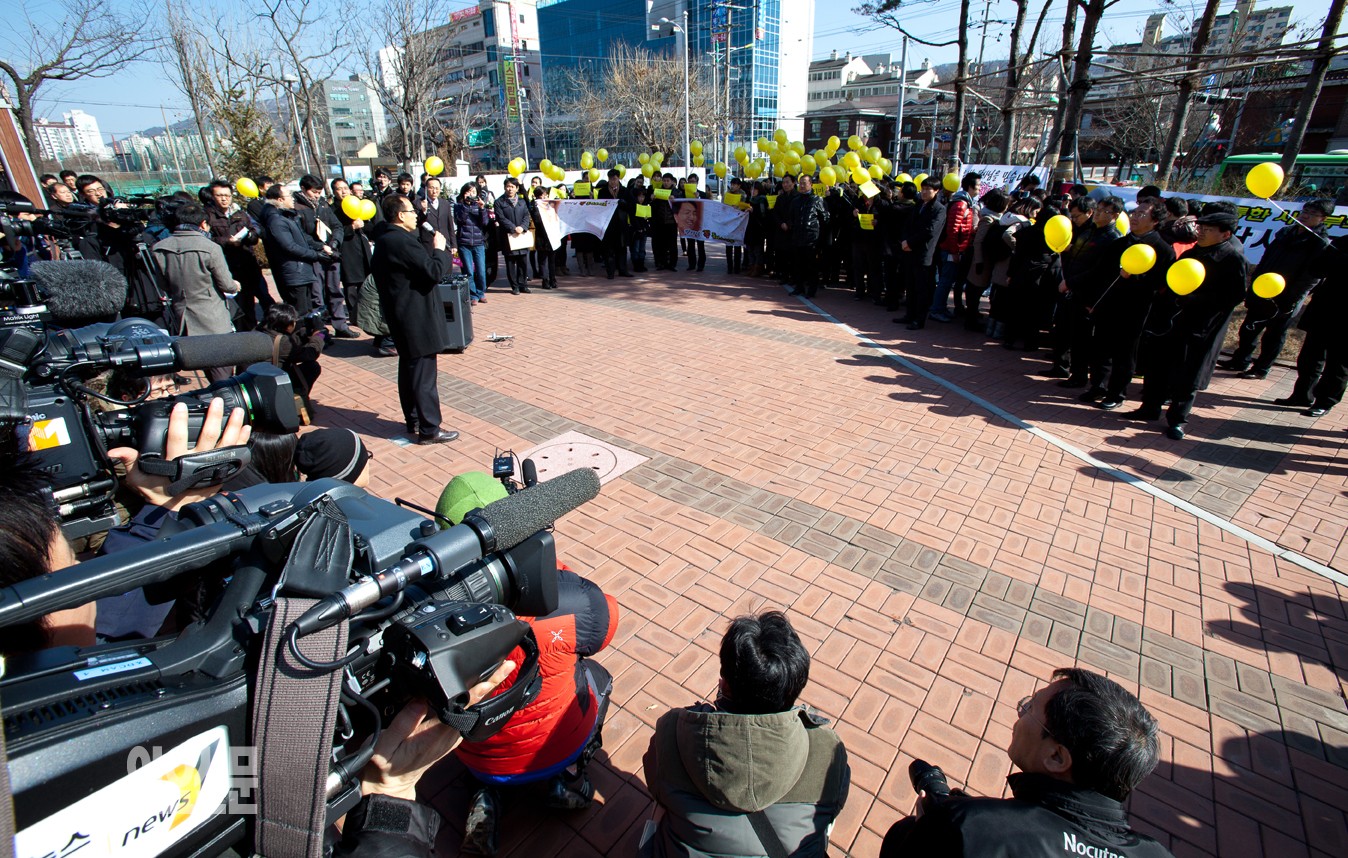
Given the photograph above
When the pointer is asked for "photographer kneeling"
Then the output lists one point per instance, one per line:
(563, 725)
(297, 343)
(1082, 743)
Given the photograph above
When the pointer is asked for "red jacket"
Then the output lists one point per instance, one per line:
(960, 222)
(559, 721)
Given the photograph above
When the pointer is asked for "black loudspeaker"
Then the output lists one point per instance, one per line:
(457, 297)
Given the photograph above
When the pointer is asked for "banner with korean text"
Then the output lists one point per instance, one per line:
(563, 217)
(1004, 176)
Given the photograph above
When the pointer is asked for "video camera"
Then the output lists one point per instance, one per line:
(67, 225)
(43, 385)
(137, 744)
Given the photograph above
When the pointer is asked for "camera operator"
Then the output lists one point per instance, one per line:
(1082, 743)
(563, 725)
(116, 237)
(290, 251)
(90, 190)
(296, 349)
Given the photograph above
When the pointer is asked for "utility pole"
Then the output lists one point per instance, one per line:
(898, 118)
(725, 148)
(1324, 52)
(173, 148)
(973, 108)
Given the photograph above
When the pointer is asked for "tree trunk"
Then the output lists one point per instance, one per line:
(961, 81)
(23, 111)
(1187, 85)
(1069, 27)
(1009, 146)
(1081, 81)
(1316, 79)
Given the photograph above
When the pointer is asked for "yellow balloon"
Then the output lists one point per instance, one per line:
(1123, 223)
(514, 168)
(779, 170)
(1058, 233)
(601, 155)
(647, 169)
(719, 169)
(851, 160)
(873, 154)
(368, 209)
(759, 165)
(622, 171)
(246, 188)
(595, 175)
(741, 154)
(860, 176)
(875, 171)
(643, 158)
(854, 143)
(434, 166)
(1264, 180)
(699, 160)
(545, 167)
(1185, 276)
(780, 135)
(950, 182)
(918, 179)
(834, 143)
(695, 147)
(762, 144)
(797, 147)
(351, 207)
(657, 158)
(828, 177)
(1269, 285)
(790, 157)
(1138, 259)
(886, 165)
(586, 160)
(902, 178)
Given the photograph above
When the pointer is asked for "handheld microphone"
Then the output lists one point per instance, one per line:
(80, 291)
(210, 350)
(498, 526)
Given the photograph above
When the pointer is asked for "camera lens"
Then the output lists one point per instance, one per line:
(928, 779)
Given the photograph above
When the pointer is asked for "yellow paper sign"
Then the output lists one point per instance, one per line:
(643, 211)
(690, 191)
(581, 189)
(662, 193)
(559, 192)
(867, 220)
(731, 199)
(869, 188)
(772, 201)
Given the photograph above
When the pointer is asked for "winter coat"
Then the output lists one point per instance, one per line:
(1125, 305)
(807, 218)
(441, 220)
(310, 213)
(472, 221)
(980, 267)
(408, 277)
(240, 257)
(1292, 253)
(1011, 225)
(1083, 254)
(511, 215)
(1046, 816)
(709, 769)
(924, 230)
(960, 223)
(1329, 303)
(558, 722)
(355, 250)
(195, 267)
(290, 252)
(1186, 332)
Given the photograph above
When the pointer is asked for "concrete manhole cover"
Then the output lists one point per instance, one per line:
(574, 450)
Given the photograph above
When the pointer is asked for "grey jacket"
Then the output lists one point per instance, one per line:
(195, 268)
(710, 769)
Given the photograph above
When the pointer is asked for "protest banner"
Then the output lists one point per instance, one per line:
(709, 220)
(563, 217)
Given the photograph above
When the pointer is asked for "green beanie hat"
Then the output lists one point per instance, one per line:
(467, 492)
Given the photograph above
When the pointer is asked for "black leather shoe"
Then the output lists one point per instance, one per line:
(561, 795)
(1143, 414)
(1095, 394)
(345, 334)
(441, 436)
(1316, 411)
(1109, 403)
(1074, 382)
(526, 290)
(480, 835)
(1058, 372)
(1233, 365)
(1256, 374)
(412, 427)
(1294, 401)
(385, 351)
(1176, 432)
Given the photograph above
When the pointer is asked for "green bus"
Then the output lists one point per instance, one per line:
(1316, 175)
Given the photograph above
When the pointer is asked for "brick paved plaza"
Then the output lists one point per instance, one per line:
(938, 559)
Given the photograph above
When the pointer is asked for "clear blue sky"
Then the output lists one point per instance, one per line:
(130, 100)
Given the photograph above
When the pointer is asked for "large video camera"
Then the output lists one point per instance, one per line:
(44, 384)
(66, 225)
(140, 744)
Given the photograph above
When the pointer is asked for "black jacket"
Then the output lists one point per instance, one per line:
(511, 215)
(382, 826)
(355, 249)
(473, 222)
(407, 277)
(290, 252)
(924, 230)
(1329, 305)
(807, 217)
(441, 221)
(1127, 302)
(1084, 253)
(1047, 817)
(1187, 330)
(1292, 253)
(310, 213)
(239, 257)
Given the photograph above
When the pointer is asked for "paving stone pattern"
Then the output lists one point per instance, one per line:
(937, 562)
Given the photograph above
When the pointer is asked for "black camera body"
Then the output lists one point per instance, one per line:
(149, 743)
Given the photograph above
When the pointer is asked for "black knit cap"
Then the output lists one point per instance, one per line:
(337, 453)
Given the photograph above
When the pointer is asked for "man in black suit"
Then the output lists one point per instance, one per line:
(407, 275)
(512, 213)
(919, 248)
(436, 216)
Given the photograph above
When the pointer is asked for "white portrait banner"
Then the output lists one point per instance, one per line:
(709, 220)
(564, 217)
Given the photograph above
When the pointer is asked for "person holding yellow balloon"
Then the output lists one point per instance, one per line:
(1322, 364)
(1185, 329)
(1269, 309)
(1140, 260)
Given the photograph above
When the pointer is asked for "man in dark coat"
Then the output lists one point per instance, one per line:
(290, 252)
(919, 248)
(237, 236)
(1291, 254)
(806, 219)
(407, 276)
(1072, 325)
(1120, 311)
(354, 250)
(318, 220)
(1185, 334)
(783, 256)
(615, 236)
(1322, 364)
(512, 213)
(436, 215)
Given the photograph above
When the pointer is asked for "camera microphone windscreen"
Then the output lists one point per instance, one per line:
(211, 350)
(518, 517)
(81, 291)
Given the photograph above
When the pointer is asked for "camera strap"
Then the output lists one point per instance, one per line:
(295, 710)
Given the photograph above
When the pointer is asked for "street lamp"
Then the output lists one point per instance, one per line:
(291, 79)
(683, 30)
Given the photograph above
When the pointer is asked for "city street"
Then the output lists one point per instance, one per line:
(944, 528)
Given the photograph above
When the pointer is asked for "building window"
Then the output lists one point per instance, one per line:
(843, 125)
(815, 126)
(526, 71)
(489, 23)
(339, 96)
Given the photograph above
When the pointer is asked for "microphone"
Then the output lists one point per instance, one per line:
(528, 473)
(499, 526)
(81, 291)
(210, 350)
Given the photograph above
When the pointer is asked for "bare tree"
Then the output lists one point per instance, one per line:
(1017, 66)
(1187, 84)
(91, 40)
(1315, 80)
(1091, 13)
(184, 54)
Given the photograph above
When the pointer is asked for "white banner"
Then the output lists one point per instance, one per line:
(1004, 176)
(709, 220)
(563, 217)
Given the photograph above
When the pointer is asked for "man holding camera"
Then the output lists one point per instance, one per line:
(1082, 743)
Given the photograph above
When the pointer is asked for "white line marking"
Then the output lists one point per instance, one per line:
(1122, 476)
